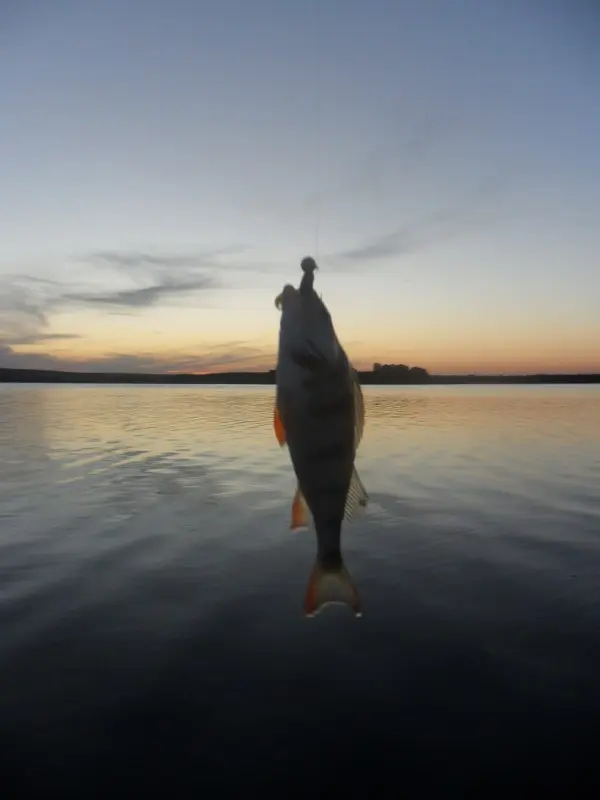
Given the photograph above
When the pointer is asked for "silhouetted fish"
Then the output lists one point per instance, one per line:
(319, 413)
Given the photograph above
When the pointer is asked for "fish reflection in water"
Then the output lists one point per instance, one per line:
(319, 413)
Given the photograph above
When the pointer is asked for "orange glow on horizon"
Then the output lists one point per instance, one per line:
(463, 367)
(241, 342)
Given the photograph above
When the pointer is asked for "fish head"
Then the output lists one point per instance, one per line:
(306, 328)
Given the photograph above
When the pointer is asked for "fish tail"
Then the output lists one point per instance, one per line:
(331, 585)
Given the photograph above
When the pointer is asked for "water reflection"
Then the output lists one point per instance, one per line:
(127, 445)
(151, 590)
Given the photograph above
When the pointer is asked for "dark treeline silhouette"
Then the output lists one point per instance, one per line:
(582, 377)
(51, 376)
(394, 374)
(381, 374)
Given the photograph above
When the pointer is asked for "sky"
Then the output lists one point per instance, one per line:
(165, 166)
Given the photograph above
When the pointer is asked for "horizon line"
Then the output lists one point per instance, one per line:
(272, 370)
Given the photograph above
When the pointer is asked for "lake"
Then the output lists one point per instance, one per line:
(152, 633)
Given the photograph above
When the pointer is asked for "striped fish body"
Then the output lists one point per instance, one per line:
(318, 415)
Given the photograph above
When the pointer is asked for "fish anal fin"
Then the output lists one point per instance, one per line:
(299, 511)
(278, 427)
(357, 498)
(328, 586)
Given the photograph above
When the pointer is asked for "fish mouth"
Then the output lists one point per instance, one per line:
(287, 293)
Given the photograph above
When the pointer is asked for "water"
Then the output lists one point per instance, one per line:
(151, 593)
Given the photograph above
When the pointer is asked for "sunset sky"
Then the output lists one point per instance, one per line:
(166, 165)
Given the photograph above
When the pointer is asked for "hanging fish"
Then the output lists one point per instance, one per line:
(319, 414)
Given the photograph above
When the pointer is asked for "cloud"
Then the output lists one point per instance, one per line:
(392, 244)
(161, 263)
(24, 308)
(140, 260)
(432, 229)
(142, 280)
(28, 303)
(14, 360)
(178, 273)
(127, 282)
(146, 296)
(228, 356)
(38, 338)
(405, 239)
(157, 277)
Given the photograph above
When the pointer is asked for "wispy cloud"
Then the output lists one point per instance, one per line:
(157, 262)
(147, 295)
(29, 302)
(127, 280)
(121, 281)
(229, 356)
(157, 277)
(407, 238)
(25, 305)
(38, 338)
(471, 214)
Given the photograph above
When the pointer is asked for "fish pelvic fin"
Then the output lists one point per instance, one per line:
(357, 498)
(331, 585)
(300, 513)
(278, 427)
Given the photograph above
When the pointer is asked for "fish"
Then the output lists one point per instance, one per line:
(319, 414)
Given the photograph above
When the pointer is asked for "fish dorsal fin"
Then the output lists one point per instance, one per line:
(359, 412)
(356, 499)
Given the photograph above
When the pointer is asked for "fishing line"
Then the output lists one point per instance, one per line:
(317, 130)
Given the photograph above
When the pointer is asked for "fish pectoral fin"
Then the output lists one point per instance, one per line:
(327, 586)
(278, 427)
(357, 498)
(299, 511)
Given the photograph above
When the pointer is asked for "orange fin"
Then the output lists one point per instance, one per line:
(327, 586)
(278, 426)
(299, 511)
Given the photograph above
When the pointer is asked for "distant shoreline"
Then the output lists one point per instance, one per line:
(367, 378)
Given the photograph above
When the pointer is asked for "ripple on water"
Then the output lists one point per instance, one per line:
(151, 589)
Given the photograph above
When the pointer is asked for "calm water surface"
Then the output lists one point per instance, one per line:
(151, 593)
